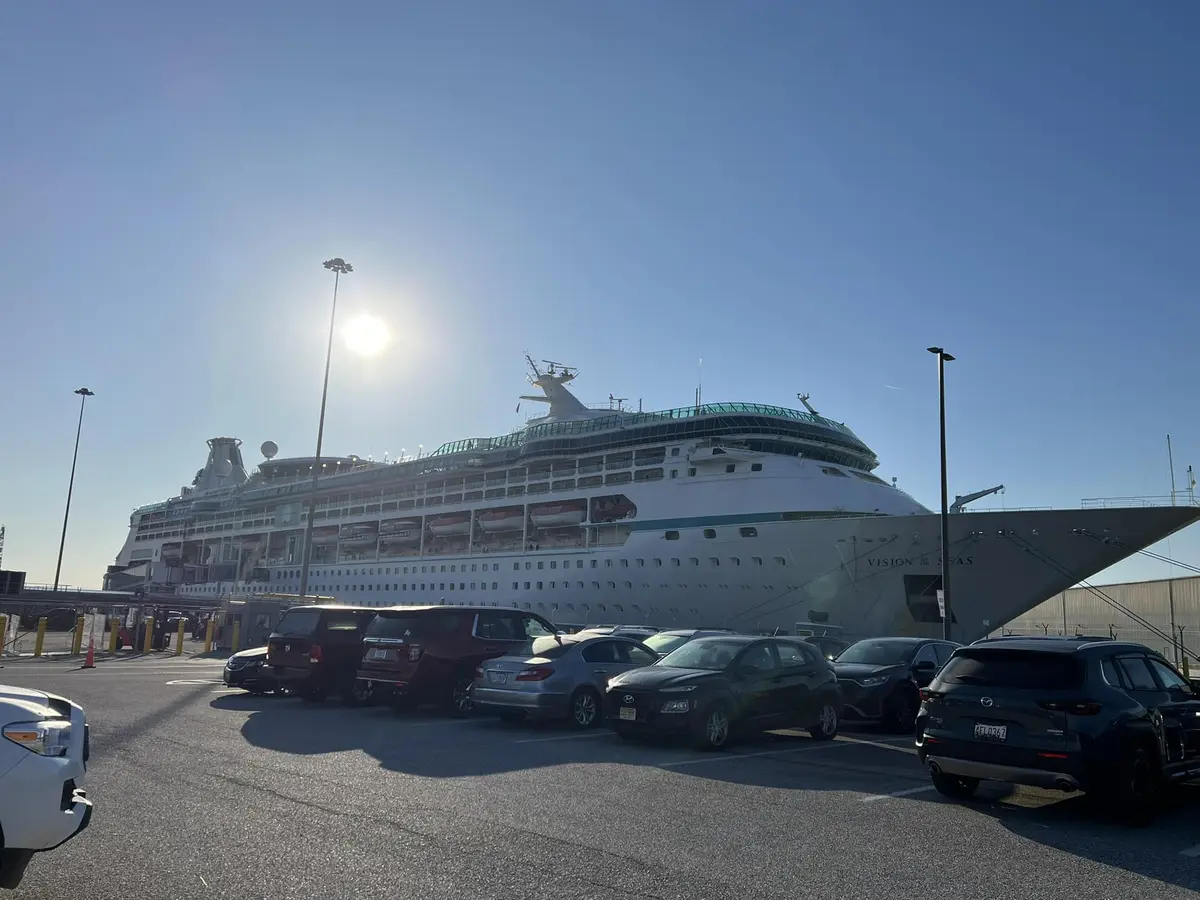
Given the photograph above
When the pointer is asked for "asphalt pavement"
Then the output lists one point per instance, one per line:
(207, 793)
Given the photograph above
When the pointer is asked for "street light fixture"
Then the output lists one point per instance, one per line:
(83, 393)
(947, 615)
(338, 267)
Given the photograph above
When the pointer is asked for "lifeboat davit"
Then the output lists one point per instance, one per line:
(443, 526)
(495, 520)
(559, 515)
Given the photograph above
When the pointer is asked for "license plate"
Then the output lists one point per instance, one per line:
(379, 654)
(991, 732)
(497, 677)
(628, 714)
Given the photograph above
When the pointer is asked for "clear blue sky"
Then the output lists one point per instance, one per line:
(806, 195)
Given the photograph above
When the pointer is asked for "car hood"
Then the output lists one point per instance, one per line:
(21, 704)
(255, 653)
(655, 677)
(856, 671)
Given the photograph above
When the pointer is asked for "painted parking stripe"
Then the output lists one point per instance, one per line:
(905, 793)
(193, 681)
(564, 737)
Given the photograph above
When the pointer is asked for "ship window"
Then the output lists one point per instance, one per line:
(748, 531)
(596, 585)
(730, 467)
(628, 585)
(672, 535)
(462, 585)
(625, 563)
(472, 567)
(539, 585)
(451, 569)
(443, 568)
(493, 585)
(527, 585)
(692, 470)
(675, 561)
(710, 533)
(612, 585)
(674, 451)
(441, 586)
(452, 585)
(608, 564)
(780, 561)
(735, 560)
(495, 567)
(829, 470)
(516, 566)
(714, 560)
(554, 564)
(472, 585)
(658, 562)
(541, 565)
(674, 473)
(579, 563)
(527, 567)
(515, 585)
(757, 560)
(755, 467)
(694, 560)
(593, 563)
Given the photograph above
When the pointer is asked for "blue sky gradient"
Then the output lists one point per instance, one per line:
(806, 195)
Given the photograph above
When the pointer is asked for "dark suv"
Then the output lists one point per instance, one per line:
(428, 654)
(315, 650)
(1068, 713)
(881, 678)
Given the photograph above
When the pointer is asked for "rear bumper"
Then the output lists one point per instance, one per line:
(495, 700)
(1043, 778)
(290, 674)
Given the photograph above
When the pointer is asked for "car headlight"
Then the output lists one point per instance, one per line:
(675, 706)
(50, 738)
(874, 680)
(682, 689)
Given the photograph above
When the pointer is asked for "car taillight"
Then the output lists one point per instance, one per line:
(537, 673)
(314, 653)
(1071, 707)
(414, 652)
(929, 694)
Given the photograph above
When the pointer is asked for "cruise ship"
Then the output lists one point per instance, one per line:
(740, 515)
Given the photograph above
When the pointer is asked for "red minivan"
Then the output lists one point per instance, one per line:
(428, 654)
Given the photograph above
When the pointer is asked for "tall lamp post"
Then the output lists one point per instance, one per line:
(947, 615)
(338, 267)
(83, 393)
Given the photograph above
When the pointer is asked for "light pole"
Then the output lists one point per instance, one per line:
(947, 616)
(83, 393)
(338, 267)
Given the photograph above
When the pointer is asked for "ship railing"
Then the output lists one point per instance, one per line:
(995, 509)
(1179, 499)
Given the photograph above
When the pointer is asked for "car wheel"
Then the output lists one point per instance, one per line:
(826, 727)
(957, 787)
(900, 714)
(12, 867)
(1138, 791)
(714, 727)
(460, 701)
(585, 708)
(359, 693)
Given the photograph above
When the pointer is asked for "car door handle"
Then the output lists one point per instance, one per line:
(599, 671)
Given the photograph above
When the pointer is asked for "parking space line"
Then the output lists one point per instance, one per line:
(1191, 851)
(725, 757)
(564, 737)
(904, 793)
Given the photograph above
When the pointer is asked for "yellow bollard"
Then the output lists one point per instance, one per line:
(41, 636)
(77, 642)
(237, 629)
(148, 643)
(179, 641)
(114, 634)
(208, 635)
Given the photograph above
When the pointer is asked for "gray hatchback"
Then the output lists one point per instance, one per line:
(557, 677)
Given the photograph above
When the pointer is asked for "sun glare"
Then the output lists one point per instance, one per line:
(366, 335)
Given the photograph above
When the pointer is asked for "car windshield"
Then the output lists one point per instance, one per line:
(298, 622)
(665, 643)
(411, 625)
(986, 667)
(878, 653)
(713, 655)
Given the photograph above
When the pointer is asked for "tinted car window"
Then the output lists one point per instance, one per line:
(527, 626)
(926, 654)
(298, 622)
(1171, 680)
(759, 657)
(497, 627)
(412, 625)
(1013, 668)
(878, 653)
(1108, 668)
(346, 621)
(943, 652)
(632, 653)
(665, 643)
(600, 652)
(704, 654)
(1137, 673)
(791, 655)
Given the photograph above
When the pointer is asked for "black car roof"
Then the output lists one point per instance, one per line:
(901, 639)
(740, 638)
(1059, 644)
(446, 607)
(331, 607)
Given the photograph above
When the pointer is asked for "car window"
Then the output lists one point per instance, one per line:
(878, 652)
(1170, 679)
(759, 658)
(665, 643)
(1108, 668)
(1137, 673)
(710, 654)
(792, 655)
(496, 627)
(298, 622)
(600, 652)
(528, 626)
(943, 652)
(1026, 669)
(347, 621)
(629, 652)
(412, 625)
(926, 655)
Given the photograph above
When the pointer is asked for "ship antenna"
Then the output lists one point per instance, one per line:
(803, 398)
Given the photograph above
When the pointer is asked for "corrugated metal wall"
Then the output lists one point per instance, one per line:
(1085, 611)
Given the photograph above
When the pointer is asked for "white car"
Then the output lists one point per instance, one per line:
(43, 757)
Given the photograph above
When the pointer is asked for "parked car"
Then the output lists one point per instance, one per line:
(1102, 716)
(664, 642)
(428, 654)
(712, 688)
(563, 676)
(881, 678)
(830, 647)
(636, 632)
(248, 669)
(43, 760)
(314, 650)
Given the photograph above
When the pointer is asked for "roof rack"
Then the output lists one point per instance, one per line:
(1087, 638)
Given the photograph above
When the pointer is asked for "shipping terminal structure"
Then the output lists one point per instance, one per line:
(738, 515)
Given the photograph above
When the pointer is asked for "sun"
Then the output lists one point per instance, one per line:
(366, 335)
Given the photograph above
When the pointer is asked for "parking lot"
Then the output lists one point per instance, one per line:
(204, 792)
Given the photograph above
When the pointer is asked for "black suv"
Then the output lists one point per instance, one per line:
(314, 650)
(881, 678)
(1089, 714)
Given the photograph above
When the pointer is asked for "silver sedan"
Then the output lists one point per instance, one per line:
(558, 677)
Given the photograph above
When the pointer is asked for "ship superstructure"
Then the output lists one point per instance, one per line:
(738, 514)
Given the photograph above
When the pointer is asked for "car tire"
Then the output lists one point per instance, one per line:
(458, 697)
(12, 867)
(956, 787)
(826, 726)
(584, 709)
(900, 711)
(359, 693)
(1137, 794)
(714, 727)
